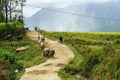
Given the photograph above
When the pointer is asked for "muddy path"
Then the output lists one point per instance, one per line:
(48, 70)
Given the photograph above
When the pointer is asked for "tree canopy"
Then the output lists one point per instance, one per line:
(11, 8)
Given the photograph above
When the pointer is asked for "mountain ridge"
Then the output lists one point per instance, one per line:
(58, 21)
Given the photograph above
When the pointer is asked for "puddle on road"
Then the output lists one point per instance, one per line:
(60, 64)
(37, 72)
(49, 64)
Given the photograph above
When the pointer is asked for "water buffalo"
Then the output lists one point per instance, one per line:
(19, 37)
(49, 53)
(42, 39)
(42, 45)
(26, 28)
(46, 53)
(8, 37)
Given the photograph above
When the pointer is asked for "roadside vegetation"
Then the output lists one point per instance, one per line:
(97, 55)
(14, 28)
(13, 63)
(27, 58)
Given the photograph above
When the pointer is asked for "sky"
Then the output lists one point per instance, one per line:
(30, 10)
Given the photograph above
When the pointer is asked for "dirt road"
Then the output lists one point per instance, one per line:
(48, 70)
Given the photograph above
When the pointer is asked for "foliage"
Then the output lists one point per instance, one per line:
(13, 7)
(9, 63)
(2, 18)
(14, 28)
(31, 56)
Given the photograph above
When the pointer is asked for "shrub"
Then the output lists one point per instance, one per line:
(9, 65)
(13, 28)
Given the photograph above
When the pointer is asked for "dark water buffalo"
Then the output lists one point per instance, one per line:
(49, 53)
(26, 28)
(42, 45)
(42, 39)
(19, 37)
(46, 53)
(8, 37)
(36, 28)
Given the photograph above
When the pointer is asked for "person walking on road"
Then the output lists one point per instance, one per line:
(61, 39)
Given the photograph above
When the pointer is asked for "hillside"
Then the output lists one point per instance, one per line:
(52, 20)
(96, 55)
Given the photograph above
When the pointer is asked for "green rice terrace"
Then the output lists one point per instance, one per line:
(97, 55)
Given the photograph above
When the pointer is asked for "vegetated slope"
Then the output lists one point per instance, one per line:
(8, 66)
(97, 55)
(52, 20)
(14, 28)
(29, 57)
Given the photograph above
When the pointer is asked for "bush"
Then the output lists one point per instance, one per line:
(9, 66)
(13, 28)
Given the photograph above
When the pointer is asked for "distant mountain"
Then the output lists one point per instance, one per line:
(52, 20)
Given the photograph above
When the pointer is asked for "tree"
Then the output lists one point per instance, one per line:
(11, 7)
(1, 10)
(2, 18)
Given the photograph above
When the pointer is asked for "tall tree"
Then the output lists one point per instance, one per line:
(11, 7)
(1, 10)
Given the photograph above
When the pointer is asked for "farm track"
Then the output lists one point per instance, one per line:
(48, 70)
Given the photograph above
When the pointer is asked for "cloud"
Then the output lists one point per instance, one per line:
(29, 11)
(68, 1)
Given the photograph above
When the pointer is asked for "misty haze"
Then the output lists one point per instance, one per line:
(59, 21)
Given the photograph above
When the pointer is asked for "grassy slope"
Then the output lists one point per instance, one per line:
(97, 54)
(14, 28)
(30, 57)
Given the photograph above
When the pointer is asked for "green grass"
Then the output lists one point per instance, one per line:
(29, 57)
(19, 75)
(8, 65)
(14, 28)
(96, 54)
(73, 67)
(66, 76)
